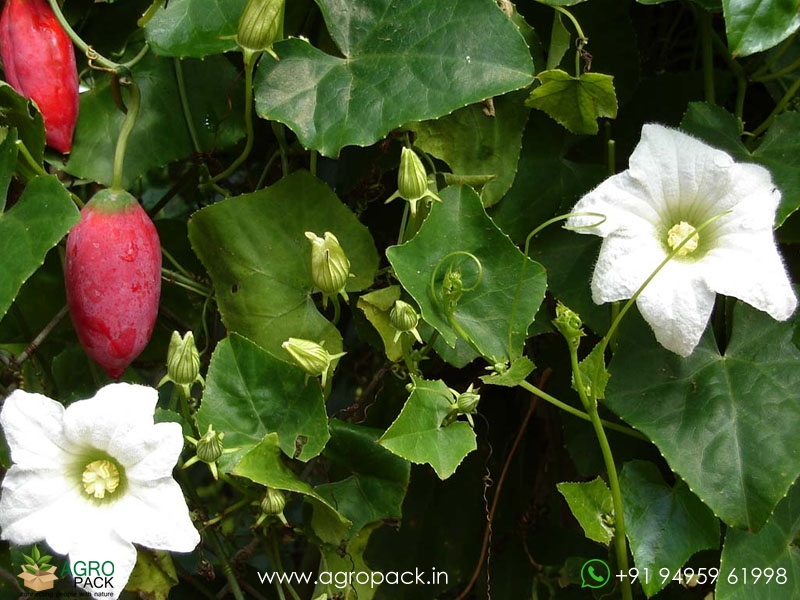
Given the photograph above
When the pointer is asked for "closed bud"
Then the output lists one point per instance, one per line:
(183, 359)
(412, 180)
(467, 402)
(569, 324)
(330, 267)
(311, 357)
(274, 502)
(260, 25)
(404, 319)
(209, 447)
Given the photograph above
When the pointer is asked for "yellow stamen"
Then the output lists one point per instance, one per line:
(680, 232)
(99, 477)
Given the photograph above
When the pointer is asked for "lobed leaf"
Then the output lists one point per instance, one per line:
(707, 413)
(399, 62)
(419, 436)
(250, 393)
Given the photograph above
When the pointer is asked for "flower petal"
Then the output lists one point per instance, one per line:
(622, 201)
(152, 455)
(154, 514)
(686, 179)
(101, 548)
(677, 305)
(747, 266)
(114, 410)
(36, 503)
(33, 428)
(627, 258)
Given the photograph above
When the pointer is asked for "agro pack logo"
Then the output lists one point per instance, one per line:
(37, 572)
(39, 575)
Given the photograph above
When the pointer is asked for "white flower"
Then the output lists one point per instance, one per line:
(674, 184)
(94, 478)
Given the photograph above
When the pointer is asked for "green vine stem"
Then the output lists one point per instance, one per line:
(590, 405)
(706, 31)
(738, 72)
(579, 413)
(128, 122)
(91, 53)
(250, 59)
(275, 555)
(187, 111)
(280, 135)
(780, 73)
(31, 348)
(787, 43)
(227, 570)
(779, 108)
(525, 257)
(186, 283)
(39, 170)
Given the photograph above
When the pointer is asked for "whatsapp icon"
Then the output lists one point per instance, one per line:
(595, 573)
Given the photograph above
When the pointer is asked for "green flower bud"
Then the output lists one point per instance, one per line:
(274, 502)
(329, 265)
(183, 362)
(569, 324)
(404, 319)
(467, 402)
(260, 25)
(311, 357)
(412, 180)
(209, 447)
(183, 359)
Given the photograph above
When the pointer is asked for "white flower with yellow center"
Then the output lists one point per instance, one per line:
(674, 185)
(93, 479)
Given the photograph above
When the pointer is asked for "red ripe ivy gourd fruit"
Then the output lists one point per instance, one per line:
(113, 279)
(39, 63)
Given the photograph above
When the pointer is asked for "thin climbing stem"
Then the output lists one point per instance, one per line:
(186, 283)
(31, 348)
(134, 100)
(706, 33)
(579, 413)
(227, 570)
(184, 97)
(95, 59)
(280, 135)
(250, 59)
(620, 540)
(495, 499)
(779, 108)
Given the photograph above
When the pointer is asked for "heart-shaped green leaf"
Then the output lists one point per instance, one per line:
(592, 506)
(506, 287)
(249, 393)
(255, 249)
(43, 215)
(774, 547)
(400, 62)
(575, 102)
(665, 525)
(756, 25)
(195, 28)
(418, 434)
(727, 424)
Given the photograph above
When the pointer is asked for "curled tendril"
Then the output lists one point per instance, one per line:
(452, 288)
